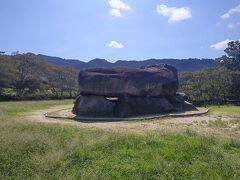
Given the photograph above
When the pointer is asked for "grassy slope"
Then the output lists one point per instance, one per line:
(44, 151)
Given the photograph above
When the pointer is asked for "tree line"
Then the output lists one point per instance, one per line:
(215, 85)
(24, 76)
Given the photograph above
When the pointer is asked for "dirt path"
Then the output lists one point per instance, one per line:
(198, 124)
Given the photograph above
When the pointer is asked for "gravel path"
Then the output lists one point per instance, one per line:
(196, 124)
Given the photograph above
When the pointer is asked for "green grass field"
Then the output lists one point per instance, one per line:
(33, 150)
(229, 110)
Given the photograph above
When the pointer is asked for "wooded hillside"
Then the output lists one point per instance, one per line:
(23, 76)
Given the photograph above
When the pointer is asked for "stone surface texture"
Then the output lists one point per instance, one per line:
(158, 80)
(126, 92)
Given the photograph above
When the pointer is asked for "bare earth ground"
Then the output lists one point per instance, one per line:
(216, 124)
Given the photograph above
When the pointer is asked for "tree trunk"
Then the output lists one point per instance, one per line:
(70, 93)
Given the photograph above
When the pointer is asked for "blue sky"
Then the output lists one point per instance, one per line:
(119, 29)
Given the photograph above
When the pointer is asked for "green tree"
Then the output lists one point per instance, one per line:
(6, 73)
(26, 71)
(192, 84)
(71, 83)
(29, 76)
(209, 84)
(235, 85)
(217, 83)
(62, 79)
(232, 59)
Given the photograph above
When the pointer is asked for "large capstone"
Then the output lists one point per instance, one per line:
(158, 80)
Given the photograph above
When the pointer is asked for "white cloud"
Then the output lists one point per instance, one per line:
(233, 25)
(115, 45)
(116, 13)
(117, 6)
(232, 11)
(174, 13)
(225, 16)
(222, 45)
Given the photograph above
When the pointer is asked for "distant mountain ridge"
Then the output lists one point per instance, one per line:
(191, 64)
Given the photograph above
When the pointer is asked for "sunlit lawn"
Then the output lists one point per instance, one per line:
(31, 150)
